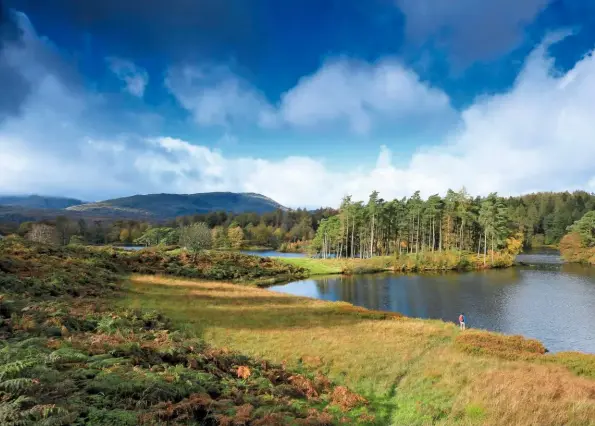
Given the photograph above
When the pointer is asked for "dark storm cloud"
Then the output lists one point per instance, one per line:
(172, 28)
(14, 88)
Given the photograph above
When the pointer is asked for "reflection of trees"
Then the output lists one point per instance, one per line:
(578, 269)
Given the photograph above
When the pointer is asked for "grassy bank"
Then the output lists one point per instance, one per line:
(437, 261)
(210, 265)
(69, 355)
(413, 372)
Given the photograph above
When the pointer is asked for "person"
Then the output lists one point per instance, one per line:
(462, 320)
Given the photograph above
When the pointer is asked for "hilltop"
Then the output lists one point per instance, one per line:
(172, 205)
(147, 207)
(38, 201)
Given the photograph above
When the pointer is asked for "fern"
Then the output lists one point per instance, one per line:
(11, 412)
(107, 325)
(108, 362)
(15, 368)
(18, 385)
(49, 414)
(31, 342)
(66, 355)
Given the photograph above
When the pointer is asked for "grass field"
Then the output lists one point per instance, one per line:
(414, 372)
(428, 261)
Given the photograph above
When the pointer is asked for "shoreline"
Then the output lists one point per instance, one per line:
(432, 262)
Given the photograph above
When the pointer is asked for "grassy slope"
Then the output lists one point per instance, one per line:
(68, 355)
(415, 372)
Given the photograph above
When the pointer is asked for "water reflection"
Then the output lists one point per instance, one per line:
(554, 303)
(271, 253)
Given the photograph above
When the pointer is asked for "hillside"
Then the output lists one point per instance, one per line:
(172, 205)
(38, 201)
(70, 355)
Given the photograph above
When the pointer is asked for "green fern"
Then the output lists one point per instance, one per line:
(15, 368)
(18, 385)
(31, 342)
(108, 362)
(107, 325)
(66, 355)
(11, 413)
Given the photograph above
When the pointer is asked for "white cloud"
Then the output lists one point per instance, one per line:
(134, 77)
(538, 136)
(216, 96)
(358, 94)
(362, 94)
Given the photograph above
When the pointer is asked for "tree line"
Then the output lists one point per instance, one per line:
(288, 229)
(456, 221)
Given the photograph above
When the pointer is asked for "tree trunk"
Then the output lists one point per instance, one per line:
(485, 247)
(372, 238)
(417, 236)
(440, 238)
(352, 238)
(346, 233)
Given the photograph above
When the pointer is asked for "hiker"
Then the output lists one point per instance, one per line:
(462, 320)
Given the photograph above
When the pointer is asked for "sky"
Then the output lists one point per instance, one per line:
(304, 101)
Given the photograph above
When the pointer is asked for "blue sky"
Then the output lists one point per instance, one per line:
(303, 101)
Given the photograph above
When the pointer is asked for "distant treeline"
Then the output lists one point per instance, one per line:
(455, 221)
(288, 228)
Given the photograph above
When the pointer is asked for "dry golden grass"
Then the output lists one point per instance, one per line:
(413, 372)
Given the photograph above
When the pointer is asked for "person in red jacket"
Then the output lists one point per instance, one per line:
(462, 320)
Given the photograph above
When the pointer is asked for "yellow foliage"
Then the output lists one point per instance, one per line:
(514, 244)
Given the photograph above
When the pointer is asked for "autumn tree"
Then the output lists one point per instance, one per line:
(585, 228)
(235, 236)
(219, 238)
(196, 237)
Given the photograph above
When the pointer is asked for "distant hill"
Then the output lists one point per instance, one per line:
(172, 205)
(38, 201)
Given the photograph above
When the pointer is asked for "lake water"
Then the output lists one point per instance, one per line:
(549, 301)
(272, 253)
(131, 248)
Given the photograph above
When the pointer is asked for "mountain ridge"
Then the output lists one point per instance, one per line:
(35, 201)
(169, 205)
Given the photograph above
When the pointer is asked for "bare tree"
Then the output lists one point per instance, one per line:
(43, 233)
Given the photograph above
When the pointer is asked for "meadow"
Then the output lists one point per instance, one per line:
(412, 372)
(107, 337)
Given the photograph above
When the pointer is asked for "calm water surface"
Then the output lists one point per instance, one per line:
(550, 301)
(132, 248)
(272, 253)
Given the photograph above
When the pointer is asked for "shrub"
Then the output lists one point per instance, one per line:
(499, 345)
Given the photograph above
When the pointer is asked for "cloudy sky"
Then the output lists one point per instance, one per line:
(301, 100)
